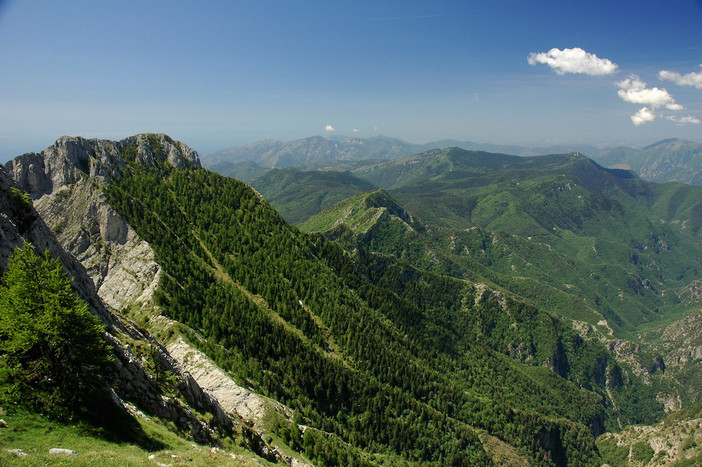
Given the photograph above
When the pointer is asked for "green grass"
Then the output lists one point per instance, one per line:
(156, 443)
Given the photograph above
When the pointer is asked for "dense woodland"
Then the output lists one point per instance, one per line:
(381, 358)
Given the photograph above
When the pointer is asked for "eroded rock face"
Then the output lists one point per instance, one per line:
(120, 263)
(65, 181)
(232, 397)
(116, 267)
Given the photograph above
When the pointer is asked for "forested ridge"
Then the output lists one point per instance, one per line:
(384, 360)
(591, 244)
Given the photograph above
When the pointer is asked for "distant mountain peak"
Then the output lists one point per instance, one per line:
(662, 143)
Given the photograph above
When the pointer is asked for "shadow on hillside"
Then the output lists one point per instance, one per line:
(112, 423)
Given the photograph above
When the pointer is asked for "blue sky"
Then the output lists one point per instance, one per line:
(216, 74)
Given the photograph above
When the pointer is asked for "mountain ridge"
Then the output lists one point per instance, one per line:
(179, 200)
(121, 276)
(548, 199)
(666, 160)
(134, 380)
(399, 363)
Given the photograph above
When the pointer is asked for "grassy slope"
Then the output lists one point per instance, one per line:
(298, 195)
(35, 435)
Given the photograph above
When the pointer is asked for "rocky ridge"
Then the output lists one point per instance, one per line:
(71, 158)
(118, 271)
(132, 381)
(114, 268)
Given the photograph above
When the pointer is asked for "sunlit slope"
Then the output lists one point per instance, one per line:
(298, 195)
(385, 370)
(624, 247)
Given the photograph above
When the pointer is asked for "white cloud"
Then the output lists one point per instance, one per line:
(635, 91)
(573, 61)
(329, 128)
(689, 79)
(643, 116)
(684, 120)
(355, 130)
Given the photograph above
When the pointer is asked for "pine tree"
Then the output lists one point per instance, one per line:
(52, 349)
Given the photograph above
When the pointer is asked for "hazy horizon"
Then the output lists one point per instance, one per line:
(345, 137)
(221, 74)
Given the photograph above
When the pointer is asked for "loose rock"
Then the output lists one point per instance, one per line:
(62, 452)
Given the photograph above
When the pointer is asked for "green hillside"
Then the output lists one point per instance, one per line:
(244, 171)
(383, 361)
(297, 195)
(671, 160)
(560, 231)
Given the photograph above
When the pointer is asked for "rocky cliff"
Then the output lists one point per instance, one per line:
(133, 382)
(64, 180)
(115, 270)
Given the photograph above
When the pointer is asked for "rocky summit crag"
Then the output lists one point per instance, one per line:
(71, 158)
(112, 269)
(63, 180)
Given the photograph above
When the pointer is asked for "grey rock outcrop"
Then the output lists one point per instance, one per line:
(120, 263)
(92, 218)
(65, 181)
(232, 397)
(71, 158)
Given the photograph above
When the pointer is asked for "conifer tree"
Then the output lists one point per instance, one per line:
(52, 349)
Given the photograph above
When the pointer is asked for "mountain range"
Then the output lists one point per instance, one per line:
(665, 161)
(670, 160)
(450, 307)
(627, 244)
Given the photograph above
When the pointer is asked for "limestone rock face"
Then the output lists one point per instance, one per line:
(110, 265)
(71, 158)
(65, 181)
(232, 397)
(120, 263)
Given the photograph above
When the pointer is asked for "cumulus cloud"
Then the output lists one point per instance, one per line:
(329, 128)
(643, 116)
(689, 79)
(635, 91)
(684, 120)
(574, 60)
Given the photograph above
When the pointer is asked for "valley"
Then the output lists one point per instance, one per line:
(446, 307)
